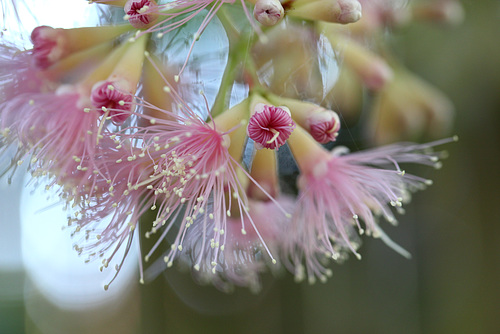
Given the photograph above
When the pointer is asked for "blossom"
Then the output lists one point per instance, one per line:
(182, 168)
(337, 192)
(121, 143)
(242, 256)
(51, 122)
(52, 131)
(194, 170)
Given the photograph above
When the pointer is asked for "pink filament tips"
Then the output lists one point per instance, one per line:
(141, 13)
(111, 101)
(48, 46)
(270, 126)
(324, 126)
(268, 12)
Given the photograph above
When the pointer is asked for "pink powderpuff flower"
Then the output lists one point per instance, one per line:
(17, 73)
(193, 170)
(270, 126)
(107, 194)
(21, 85)
(52, 131)
(239, 258)
(55, 129)
(338, 191)
(198, 178)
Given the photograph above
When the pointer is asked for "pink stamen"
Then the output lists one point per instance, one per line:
(324, 126)
(270, 126)
(111, 101)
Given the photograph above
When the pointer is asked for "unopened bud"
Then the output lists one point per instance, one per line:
(334, 11)
(141, 13)
(270, 126)
(268, 12)
(324, 126)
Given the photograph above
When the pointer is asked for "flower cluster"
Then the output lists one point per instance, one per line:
(109, 119)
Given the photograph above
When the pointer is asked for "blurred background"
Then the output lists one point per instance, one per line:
(451, 284)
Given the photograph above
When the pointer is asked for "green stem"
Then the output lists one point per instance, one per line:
(233, 35)
(226, 86)
(238, 59)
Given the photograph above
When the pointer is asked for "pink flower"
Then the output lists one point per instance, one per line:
(338, 192)
(270, 126)
(53, 132)
(181, 168)
(240, 255)
(107, 203)
(17, 73)
(239, 258)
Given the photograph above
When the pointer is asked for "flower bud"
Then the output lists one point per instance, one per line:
(447, 11)
(51, 45)
(371, 68)
(112, 99)
(409, 108)
(268, 12)
(324, 126)
(141, 13)
(334, 11)
(270, 126)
